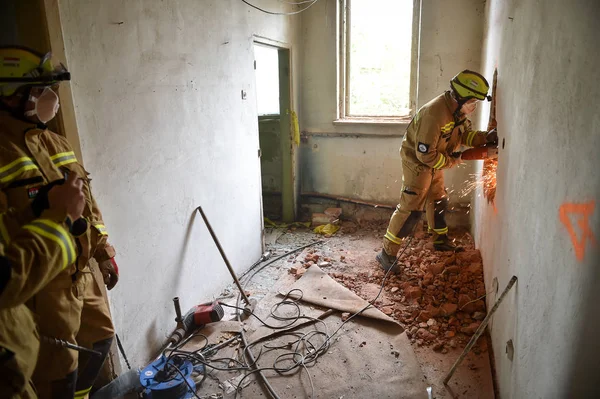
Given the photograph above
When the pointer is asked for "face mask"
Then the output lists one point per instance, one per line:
(45, 106)
(468, 108)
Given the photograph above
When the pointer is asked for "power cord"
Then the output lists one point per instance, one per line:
(299, 360)
(296, 2)
(312, 2)
(300, 352)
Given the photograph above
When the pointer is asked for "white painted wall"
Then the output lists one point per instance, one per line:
(370, 167)
(157, 87)
(548, 90)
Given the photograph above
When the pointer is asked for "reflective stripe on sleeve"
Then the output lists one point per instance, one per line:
(58, 234)
(101, 229)
(440, 163)
(10, 171)
(63, 158)
(470, 137)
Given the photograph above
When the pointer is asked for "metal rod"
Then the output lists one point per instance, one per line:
(480, 330)
(346, 199)
(178, 317)
(120, 345)
(249, 355)
(216, 240)
(209, 350)
(68, 345)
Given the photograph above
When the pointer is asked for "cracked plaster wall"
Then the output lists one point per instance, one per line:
(163, 127)
(547, 180)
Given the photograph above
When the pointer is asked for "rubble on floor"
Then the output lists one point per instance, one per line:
(439, 297)
(329, 215)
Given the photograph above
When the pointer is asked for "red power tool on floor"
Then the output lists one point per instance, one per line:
(198, 316)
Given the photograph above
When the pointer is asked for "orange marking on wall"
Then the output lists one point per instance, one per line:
(582, 213)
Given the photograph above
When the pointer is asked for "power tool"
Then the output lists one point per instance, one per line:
(168, 377)
(484, 152)
(197, 317)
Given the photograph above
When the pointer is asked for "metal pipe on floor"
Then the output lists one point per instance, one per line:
(480, 330)
(346, 199)
(218, 244)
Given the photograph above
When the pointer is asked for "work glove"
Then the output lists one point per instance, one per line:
(453, 160)
(110, 272)
(492, 137)
(66, 197)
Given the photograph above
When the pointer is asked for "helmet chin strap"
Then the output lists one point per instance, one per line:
(17, 111)
(457, 114)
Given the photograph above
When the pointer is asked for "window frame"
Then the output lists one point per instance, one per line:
(343, 49)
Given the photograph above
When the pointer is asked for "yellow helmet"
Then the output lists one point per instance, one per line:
(469, 84)
(20, 66)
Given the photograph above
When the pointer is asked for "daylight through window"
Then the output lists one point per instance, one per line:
(378, 49)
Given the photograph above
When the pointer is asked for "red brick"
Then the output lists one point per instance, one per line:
(448, 309)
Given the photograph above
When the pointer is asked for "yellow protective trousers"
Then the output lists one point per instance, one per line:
(422, 188)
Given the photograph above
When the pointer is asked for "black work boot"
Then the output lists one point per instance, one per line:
(443, 244)
(387, 262)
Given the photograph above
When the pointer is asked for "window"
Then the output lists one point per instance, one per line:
(378, 42)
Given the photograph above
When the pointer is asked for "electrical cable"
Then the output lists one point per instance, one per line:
(192, 390)
(197, 357)
(281, 13)
(295, 2)
(291, 320)
(298, 360)
(249, 354)
(300, 353)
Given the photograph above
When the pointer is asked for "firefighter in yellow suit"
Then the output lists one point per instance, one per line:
(30, 259)
(430, 145)
(71, 307)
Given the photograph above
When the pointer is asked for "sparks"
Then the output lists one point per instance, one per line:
(487, 181)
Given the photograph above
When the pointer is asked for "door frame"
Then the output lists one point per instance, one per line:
(289, 152)
(65, 122)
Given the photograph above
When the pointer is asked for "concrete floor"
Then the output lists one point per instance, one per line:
(352, 251)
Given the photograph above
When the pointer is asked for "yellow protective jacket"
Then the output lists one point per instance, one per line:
(31, 157)
(432, 136)
(29, 260)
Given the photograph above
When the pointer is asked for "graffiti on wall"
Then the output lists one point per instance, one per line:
(581, 234)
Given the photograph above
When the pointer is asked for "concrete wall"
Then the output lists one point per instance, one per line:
(157, 87)
(366, 163)
(548, 117)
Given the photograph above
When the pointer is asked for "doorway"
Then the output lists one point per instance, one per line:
(273, 92)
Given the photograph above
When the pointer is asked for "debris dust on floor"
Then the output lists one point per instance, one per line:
(439, 298)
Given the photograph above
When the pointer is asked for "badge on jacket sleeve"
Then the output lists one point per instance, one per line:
(423, 148)
(33, 192)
